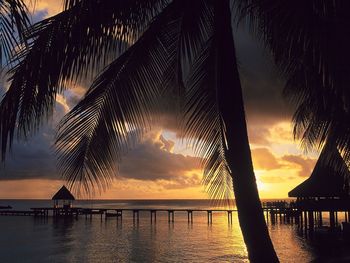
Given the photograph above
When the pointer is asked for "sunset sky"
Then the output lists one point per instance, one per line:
(161, 166)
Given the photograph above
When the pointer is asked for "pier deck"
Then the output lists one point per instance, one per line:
(118, 213)
(307, 214)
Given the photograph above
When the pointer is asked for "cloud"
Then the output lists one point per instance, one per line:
(153, 160)
(258, 135)
(29, 160)
(44, 8)
(275, 179)
(157, 165)
(74, 94)
(34, 157)
(272, 169)
(182, 182)
(168, 145)
(263, 159)
(306, 165)
(150, 161)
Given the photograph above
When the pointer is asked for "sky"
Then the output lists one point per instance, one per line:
(161, 166)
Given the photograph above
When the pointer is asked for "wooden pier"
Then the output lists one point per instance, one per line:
(313, 212)
(281, 211)
(117, 213)
(271, 210)
(309, 215)
(19, 213)
(170, 212)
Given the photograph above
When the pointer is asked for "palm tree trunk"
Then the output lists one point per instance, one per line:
(238, 155)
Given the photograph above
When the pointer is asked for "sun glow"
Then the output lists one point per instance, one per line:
(261, 186)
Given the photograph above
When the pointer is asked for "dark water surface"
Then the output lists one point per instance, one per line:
(29, 239)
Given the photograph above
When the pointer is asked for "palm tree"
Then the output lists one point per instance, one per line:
(309, 41)
(154, 49)
(187, 49)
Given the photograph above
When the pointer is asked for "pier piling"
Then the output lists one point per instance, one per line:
(210, 217)
(189, 216)
(229, 216)
(171, 216)
(153, 214)
(135, 215)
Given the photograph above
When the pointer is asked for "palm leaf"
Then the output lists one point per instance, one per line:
(127, 95)
(203, 123)
(309, 41)
(13, 22)
(61, 48)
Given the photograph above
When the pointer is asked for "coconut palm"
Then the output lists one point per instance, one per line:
(156, 49)
(179, 47)
(309, 41)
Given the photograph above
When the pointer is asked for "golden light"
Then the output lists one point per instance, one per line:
(261, 186)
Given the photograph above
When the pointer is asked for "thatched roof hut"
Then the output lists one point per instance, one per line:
(63, 198)
(63, 194)
(330, 177)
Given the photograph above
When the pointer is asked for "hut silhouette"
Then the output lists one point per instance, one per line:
(63, 198)
(326, 190)
(329, 179)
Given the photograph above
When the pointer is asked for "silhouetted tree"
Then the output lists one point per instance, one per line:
(154, 49)
(309, 41)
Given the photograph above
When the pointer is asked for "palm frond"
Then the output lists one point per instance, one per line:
(331, 163)
(309, 41)
(13, 22)
(96, 133)
(62, 47)
(203, 123)
(70, 3)
(126, 97)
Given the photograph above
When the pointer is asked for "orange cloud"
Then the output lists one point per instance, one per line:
(154, 160)
(305, 164)
(263, 159)
(278, 174)
(51, 7)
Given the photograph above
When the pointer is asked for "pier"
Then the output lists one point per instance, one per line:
(271, 210)
(308, 214)
(19, 213)
(118, 213)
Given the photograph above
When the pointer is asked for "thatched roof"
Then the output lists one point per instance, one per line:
(63, 194)
(330, 177)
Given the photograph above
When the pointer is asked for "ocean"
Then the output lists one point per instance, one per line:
(29, 239)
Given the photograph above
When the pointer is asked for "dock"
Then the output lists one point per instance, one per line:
(118, 213)
(20, 213)
(271, 210)
(307, 214)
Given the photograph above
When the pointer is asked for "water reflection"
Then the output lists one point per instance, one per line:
(69, 240)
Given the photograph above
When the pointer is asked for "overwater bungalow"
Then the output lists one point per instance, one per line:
(326, 190)
(63, 198)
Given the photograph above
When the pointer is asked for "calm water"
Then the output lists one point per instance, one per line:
(29, 239)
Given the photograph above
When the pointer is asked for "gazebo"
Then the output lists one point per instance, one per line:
(64, 198)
